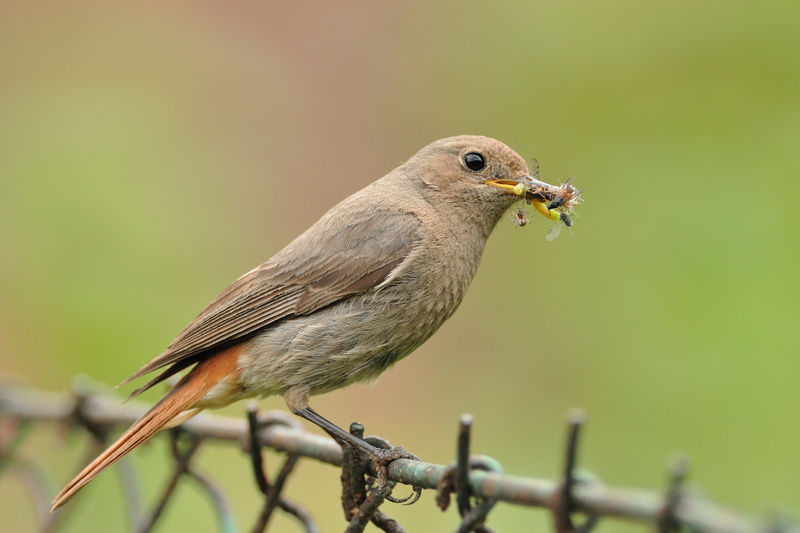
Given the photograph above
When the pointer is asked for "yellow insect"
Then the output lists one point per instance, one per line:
(559, 217)
(543, 210)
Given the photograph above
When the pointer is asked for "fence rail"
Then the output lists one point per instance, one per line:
(478, 482)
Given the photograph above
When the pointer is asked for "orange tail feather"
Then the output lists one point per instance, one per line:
(180, 397)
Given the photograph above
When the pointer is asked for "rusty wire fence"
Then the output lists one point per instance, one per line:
(476, 483)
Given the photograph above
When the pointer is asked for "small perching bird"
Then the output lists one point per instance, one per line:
(359, 290)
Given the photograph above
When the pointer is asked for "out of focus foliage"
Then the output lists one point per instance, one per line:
(150, 154)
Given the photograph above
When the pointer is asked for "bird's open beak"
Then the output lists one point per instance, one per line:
(527, 186)
(555, 203)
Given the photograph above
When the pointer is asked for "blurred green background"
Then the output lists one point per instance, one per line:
(152, 153)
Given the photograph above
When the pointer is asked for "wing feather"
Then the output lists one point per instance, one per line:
(324, 265)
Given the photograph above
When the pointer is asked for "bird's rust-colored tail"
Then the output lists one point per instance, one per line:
(180, 397)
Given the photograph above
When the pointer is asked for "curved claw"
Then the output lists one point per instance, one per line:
(416, 494)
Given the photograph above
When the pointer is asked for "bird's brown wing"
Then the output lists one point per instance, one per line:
(322, 266)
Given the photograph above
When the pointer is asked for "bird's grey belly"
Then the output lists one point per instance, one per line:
(352, 340)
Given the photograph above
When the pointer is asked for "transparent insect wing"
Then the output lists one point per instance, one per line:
(554, 232)
(533, 168)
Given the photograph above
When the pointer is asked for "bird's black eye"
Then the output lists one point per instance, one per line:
(475, 161)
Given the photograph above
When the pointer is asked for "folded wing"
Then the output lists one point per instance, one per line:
(322, 266)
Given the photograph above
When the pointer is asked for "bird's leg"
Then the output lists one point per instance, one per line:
(297, 400)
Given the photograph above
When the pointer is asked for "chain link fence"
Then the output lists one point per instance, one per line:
(477, 483)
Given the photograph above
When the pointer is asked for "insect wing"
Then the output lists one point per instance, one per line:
(533, 168)
(554, 232)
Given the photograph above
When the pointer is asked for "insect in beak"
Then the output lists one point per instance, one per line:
(554, 202)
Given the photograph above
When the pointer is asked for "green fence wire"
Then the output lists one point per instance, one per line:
(478, 482)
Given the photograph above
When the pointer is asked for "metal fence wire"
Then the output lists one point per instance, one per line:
(476, 482)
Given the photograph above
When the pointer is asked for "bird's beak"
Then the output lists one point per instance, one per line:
(527, 186)
(555, 203)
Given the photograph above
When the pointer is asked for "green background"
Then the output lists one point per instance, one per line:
(152, 153)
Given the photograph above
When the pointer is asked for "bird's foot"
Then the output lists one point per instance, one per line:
(363, 455)
(380, 457)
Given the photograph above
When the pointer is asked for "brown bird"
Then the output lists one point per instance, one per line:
(359, 290)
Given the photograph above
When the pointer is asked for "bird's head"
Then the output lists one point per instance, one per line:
(483, 176)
